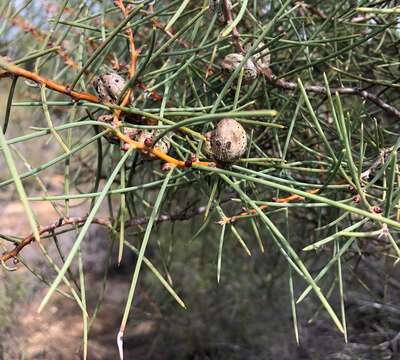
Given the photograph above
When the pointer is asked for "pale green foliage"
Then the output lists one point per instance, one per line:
(335, 148)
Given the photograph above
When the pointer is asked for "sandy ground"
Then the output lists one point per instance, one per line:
(57, 332)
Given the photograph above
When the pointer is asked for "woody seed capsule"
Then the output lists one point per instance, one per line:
(227, 142)
(231, 62)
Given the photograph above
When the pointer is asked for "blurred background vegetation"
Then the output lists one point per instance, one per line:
(318, 189)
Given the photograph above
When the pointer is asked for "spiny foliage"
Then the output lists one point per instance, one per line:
(321, 118)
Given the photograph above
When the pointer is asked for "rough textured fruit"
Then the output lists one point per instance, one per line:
(262, 59)
(164, 144)
(109, 86)
(227, 142)
(231, 62)
(206, 149)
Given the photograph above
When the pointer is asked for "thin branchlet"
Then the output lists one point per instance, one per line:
(327, 157)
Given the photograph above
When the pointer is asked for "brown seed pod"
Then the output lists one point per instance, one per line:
(109, 136)
(228, 141)
(231, 62)
(206, 148)
(108, 118)
(262, 58)
(146, 137)
(109, 86)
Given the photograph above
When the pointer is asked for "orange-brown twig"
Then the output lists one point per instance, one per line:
(158, 153)
(287, 199)
(293, 197)
(132, 66)
(133, 52)
(16, 70)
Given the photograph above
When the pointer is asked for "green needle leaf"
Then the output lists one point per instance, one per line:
(84, 230)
